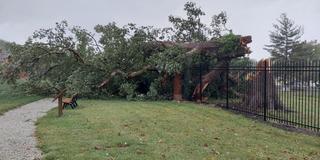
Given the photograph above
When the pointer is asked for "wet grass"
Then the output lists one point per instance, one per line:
(11, 98)
(117, 129)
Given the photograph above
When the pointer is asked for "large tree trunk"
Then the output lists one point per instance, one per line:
(223, 63)
(177, 95)
(262, 89)
(208, 78)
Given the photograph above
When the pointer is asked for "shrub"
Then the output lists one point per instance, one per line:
(153, 92)
(128, 90)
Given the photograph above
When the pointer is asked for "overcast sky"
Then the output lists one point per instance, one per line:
(19, 18)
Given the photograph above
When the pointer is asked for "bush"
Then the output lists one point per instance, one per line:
(128, 90)
(42, 88)
(153, 92)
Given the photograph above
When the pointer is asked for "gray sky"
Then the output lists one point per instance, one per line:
(19, 18)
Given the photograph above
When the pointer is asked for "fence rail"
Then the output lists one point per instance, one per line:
(280, 92)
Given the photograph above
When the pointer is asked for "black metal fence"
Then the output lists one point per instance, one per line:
(282, 92)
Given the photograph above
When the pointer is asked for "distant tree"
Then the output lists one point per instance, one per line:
(307, 50)
(284, 39)
(4, 53)
(3, 46)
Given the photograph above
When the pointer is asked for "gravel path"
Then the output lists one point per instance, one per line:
(17, 128)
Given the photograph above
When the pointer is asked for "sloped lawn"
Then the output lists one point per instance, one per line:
(103, 130)
(11, 98)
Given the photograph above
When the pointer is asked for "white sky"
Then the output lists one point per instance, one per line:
(19, 18)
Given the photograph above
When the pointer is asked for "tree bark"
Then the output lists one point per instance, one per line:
(208, 78)
(262, 91)
(60, 106)
(177, 95)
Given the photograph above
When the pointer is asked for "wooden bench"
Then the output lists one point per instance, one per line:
(70, 101)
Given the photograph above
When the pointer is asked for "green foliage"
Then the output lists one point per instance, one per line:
(159, 89)
(128, 90)
(42, 87)
(218, 24)
(242, 62)
(84, 81)
(12, 97)
(4, 46)
(130, 59)
(153, 92)
(190, 29)
(124, 47)
(170, 60)
(50, 55)
(306, 51)
(229, 44)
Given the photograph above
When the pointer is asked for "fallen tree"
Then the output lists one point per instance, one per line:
(70, 57)
(211, 48)
(222, 65)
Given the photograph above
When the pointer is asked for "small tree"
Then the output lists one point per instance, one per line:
(284, 39)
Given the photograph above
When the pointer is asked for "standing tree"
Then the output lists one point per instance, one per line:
(284, 39)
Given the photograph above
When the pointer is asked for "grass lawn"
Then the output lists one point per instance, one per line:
(11, 98)
(304, 107)
(117, 129)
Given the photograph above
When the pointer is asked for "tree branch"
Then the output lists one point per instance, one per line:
(76, 54)
(95, 41)
(126, 75)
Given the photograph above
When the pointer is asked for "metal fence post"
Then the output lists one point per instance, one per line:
(227, 86)
(200, 77)
(265, 92)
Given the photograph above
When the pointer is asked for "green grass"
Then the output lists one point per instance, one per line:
(165, 130)
(304, 107)
(11, 98)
